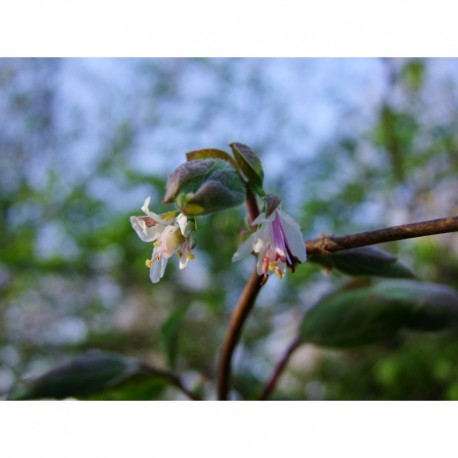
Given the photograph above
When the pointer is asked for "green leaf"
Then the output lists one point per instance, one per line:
(434, 306)
(170, 332)
(361, 316)
(139, 387)
(205, 186)
(365, 261)
(352, 318)
(89, 373)
(211, 153)
(250, 165)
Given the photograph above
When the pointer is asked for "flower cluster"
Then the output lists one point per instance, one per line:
(277, 243)
(170, 232)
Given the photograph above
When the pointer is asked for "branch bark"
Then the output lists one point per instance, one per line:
(240, 313)
(327, 244)
(238, 318)
(270, 386)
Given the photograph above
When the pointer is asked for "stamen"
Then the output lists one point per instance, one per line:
(190, 256)
(157, 244)
(148, 263)
(265, 264)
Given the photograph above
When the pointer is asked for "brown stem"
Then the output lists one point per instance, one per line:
(327, 244)
(251, 206)
(240, 314)
(331, 243)
(173, 378)
(270, 386)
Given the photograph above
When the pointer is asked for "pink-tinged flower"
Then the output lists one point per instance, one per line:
(278, 244)
(170, 232)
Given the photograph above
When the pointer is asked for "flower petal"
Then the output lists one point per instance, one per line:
(184, 259)
(280, 269)
(186, 226)
(259, 220)
(157, 269)
(170, 240)
(260, 264)
(245, 248)
(146, 233)
(154, 216)
(145, 208)
(294, 237)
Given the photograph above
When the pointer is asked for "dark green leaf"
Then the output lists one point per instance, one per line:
(89, 373)
(170, 331)
(370, 261)
(434, 306)
(352, 318)
(205, 186)
(139, 387)
(250, 165)
(365, 315)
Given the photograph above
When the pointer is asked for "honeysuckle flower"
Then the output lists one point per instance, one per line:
(278, 244)
(170, 232)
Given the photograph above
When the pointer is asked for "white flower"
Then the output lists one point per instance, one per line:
(169, 233)
(278, 244)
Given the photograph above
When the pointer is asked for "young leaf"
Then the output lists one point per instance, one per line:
(365, 261)
(170, 331)
(250, 165)
(204, 186)
(89, 373)
(211, 153)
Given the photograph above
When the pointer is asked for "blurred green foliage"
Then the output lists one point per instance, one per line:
(72, 272)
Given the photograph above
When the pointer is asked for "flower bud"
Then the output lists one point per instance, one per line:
(199, 187)
(271, 202)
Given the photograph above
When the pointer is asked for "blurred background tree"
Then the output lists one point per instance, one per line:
(350, 144)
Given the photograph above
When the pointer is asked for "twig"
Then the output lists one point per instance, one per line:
(240, 313)
(327, 244)
(279, 369)
(251, 206)
(238, 318)
(173, 378)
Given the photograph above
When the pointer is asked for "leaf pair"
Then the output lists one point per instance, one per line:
(246, 162)
(212, 180)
